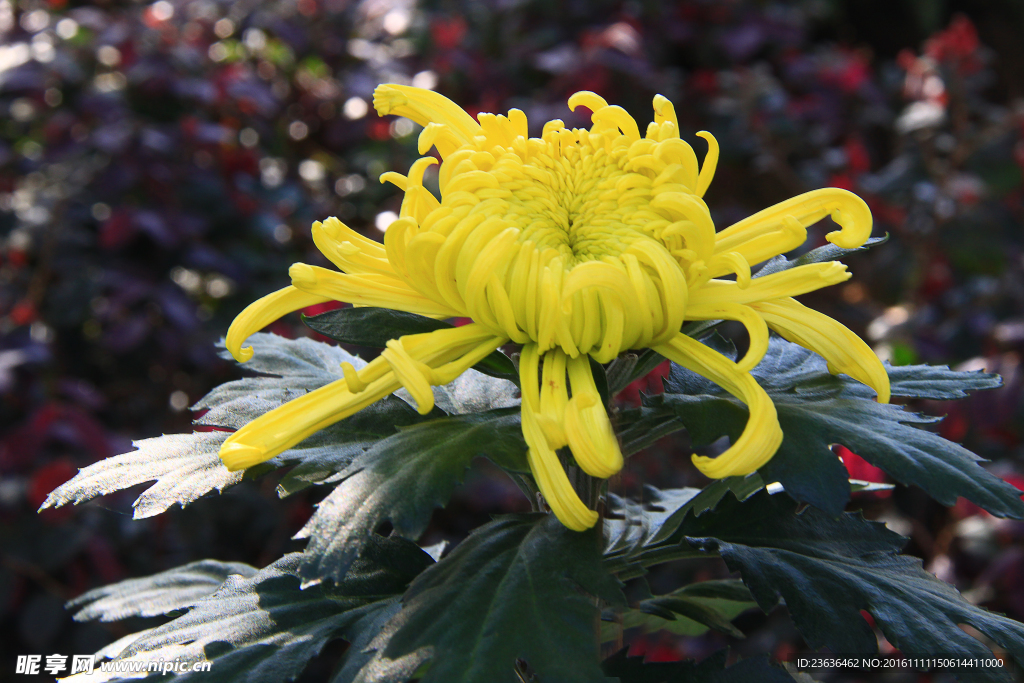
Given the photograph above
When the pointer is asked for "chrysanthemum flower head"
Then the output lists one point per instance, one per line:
(578, 244)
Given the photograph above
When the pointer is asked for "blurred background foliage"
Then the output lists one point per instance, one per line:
(160, 165)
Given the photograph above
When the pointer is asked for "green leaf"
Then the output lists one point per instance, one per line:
(512, 590)
(938, 381)
(358, 657)
(827, 252)
(636, 532)
(828, 569)
(285, 369)
(402, 479)
(629, 525)
(816, 409)
(689, 611)
(158, 594)
(712, 670)
(638, 428)
(375, 327)
(265, 628)
(630, 367)
(186, 467)
(370, 326)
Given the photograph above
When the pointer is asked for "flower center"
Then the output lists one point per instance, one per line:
(568, 201)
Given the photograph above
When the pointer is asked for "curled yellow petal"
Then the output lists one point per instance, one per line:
(287, 425)
(587, 427)
(757, 329)
(432, 357)
(367, 289)
(262, 312)
(413, 375)
(761, 436)
(792, 282)
(833, 341)
(424, 107)
(707, 169)
(590, 100)
(355, 385)
(547, 470)
(731, 262)
(846, 208)
(553, 397)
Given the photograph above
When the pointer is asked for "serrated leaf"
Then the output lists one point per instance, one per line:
(828, 569)
(816, 409)
(938, 382)
(690, 611)
(512, 590)
(286, 369)
(712, 670)
(184, 466)
(474, 392)
(636, 533)
(374, 327)
(158, 594)
(638, 428)
(402, 479)
(826, 252)
(264, 627)
(363, 632)
(629, 524)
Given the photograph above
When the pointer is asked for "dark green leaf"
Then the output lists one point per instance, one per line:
(640, 535)
(512, 590)
(631, 525)
(402, 479)
(828, 569)
(638, 428)
(693, 609)
(363, 632)
(817, 409)
(712, 670)
(631, 367)
(265, 628)
(158, 594)
(375, 327)
(370, 326)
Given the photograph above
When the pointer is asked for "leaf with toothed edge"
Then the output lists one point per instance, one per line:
(826, 252)
(186, 467)
(828, 569)
(265, 627)
(691, 611)
(161, 593)
(402, 479)
(817, 409)
(516, 588)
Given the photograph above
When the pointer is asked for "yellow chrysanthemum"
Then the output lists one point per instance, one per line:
(577, 244)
